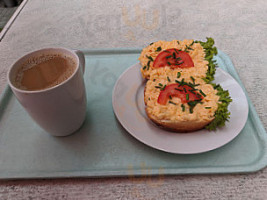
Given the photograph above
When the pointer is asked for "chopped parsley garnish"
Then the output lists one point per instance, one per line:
(192, 85)
(178, 89)
(208, 107)
(187, 48)
(187, 97)
(148, 63)
(192, 104)
(183, 107)
(192, 91)
(172, 102)
(177, 51)
(144, 67)
(192, 78)
(179, 63)
(182, 82)
(191, 110)
(160, 86)
(168, 79)
(190, 48)
(150, 58)
(158, 49)
(204, 95)
(178, 74)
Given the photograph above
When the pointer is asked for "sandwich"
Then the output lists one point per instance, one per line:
(179, 94)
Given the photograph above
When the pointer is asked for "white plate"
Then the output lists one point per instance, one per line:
(128, 105)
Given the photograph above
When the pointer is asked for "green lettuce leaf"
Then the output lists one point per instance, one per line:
(210, 51)
(222, 114)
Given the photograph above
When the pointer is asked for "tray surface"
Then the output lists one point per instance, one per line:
(102, 147)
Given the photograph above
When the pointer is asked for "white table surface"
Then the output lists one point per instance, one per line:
(239, 29)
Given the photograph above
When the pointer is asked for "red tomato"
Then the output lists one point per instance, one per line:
(173, 58)
(174, 90)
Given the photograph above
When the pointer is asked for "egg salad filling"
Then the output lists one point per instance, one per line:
(201, 54)
(175, 109)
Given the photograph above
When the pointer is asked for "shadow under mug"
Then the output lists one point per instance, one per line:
(60, 110)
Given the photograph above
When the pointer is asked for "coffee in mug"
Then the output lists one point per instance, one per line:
(44, 72)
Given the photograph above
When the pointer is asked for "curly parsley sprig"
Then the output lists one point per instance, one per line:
(210, 52)
(222, 114)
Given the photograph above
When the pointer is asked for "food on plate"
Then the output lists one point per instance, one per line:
(189, 56)
(185, 104)
(179, 94)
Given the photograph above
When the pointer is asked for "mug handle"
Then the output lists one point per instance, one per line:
(81, 58)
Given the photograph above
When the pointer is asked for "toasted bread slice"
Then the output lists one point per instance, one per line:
(178, 115)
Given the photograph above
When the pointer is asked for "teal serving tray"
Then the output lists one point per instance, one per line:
(102, 147)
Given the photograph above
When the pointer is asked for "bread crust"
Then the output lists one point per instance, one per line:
(178, 126)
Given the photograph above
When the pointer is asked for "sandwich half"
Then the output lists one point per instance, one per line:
(180, 102)
(189, 56)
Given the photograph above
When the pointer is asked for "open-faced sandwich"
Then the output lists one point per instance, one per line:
(182, 99)
(191, 57)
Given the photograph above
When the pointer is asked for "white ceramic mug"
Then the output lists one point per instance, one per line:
(61, 109)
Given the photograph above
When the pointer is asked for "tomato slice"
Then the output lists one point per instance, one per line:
(182, 91)
(173, 58)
